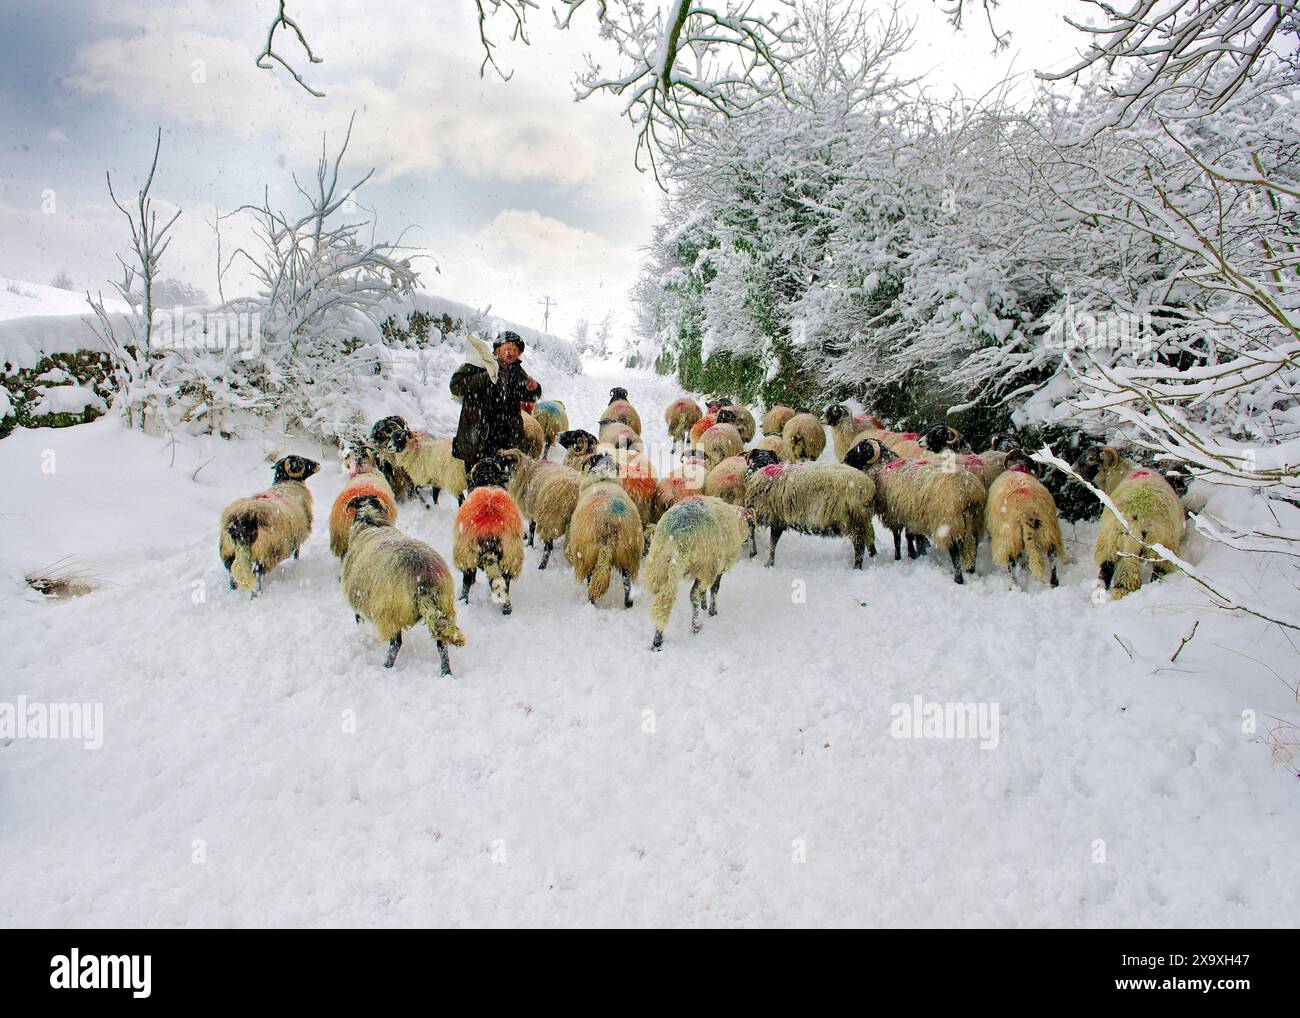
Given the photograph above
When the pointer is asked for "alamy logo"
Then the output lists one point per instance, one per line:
(211, 331)
(72, 971)
(921, 720)
(23, 720)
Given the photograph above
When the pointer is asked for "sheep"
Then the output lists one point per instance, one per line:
(721, 440)
(546, 494)
(774, 420)
(397, 582)
(1020, 515)
(937, 499)
(826, 499)
(261, 531)
(638, 479)
(534, 440)
(398, 479)
(773, 443)
(701, 537)
(1150, 506)
(743, 419)
(847, 428)
(364, 478)
(688, 479)
(489, 534)
(621, 410)
(428, 461)
(619, 435)
(727, 480)
(578, 445)
(680, 415)
(702, 425)
(605, 532)
(553, 418)
(804, 437)
(892, 476)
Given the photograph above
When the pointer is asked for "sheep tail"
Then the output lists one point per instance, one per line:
(1128, 566)
(663, 573)
(441, 625)
(598, 579)
(1035, 550)
(490, 560)
(243, 532)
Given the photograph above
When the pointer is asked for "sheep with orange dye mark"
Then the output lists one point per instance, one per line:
(364, 478)
(489, 533)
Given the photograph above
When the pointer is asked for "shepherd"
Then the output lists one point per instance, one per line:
(490, 387)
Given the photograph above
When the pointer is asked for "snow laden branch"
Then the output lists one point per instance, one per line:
(680, 63)
(132, 349)
(1220, 594)
(282, 20)
(322, 284)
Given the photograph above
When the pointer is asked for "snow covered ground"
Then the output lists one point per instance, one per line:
(260, 768)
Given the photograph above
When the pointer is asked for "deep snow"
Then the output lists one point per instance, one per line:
(567, 775)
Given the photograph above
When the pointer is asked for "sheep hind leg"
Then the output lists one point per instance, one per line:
(1107, 573)
(697, 598)
(532, 529)
(1051, 558)
(858, 549)
(394, 645)
(658, 642)
(753, 539)
(775, 535)
(420, 495)
(257, 578)
(713, 597)
(444, 659)
(546, 554)
(898, 546)
(954, 553)
(467, 580)
(627, 589)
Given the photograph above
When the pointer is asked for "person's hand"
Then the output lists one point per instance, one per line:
(531, 385)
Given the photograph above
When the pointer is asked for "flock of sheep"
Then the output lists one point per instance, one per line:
(611, 511)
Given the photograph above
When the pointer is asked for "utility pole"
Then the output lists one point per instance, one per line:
(546, 316)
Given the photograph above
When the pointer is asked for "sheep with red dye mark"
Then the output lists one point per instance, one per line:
(397, 582)
(621, 410)
(618, 435)
(686, 479)
(727, 480)
(605, 533)
(804, 437)
(937, 499)
(364, 478)
(1150, 505)
(261, 531)
(1021, 519)
(680, 416)
(700, 537)
(824, 499)
(489, 534)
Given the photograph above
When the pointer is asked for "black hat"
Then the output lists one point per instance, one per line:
(508, 337)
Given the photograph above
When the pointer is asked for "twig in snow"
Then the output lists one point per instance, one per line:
(1186, 640)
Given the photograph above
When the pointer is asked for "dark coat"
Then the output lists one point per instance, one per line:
(489, 414)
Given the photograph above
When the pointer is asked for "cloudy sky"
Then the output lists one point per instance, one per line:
(516, 191)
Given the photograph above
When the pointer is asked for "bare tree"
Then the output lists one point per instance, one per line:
(132, 351)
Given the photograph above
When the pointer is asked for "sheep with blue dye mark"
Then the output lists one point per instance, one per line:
(700, 537)
(554, 419)
(605, 533)
(397, 582)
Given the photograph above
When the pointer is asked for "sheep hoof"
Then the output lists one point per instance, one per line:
(658, 642)
(958, 578)
(295, 553)
(506, 609)
(358, 618)
(233, 584)
(443, 659)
